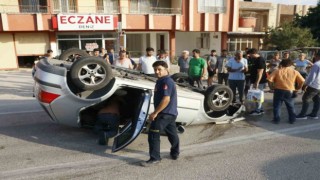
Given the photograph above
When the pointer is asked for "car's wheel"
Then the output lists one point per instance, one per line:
(181, 78)
(91, 73)
(73, 54)
(218, 97)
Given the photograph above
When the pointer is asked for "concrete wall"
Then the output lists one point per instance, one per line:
(188, 41)
(8, 60)
(10, 6)
(273, 16)
(87, 6)
(28, 44)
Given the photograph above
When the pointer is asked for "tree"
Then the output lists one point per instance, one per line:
(288, 36)
(311, 21)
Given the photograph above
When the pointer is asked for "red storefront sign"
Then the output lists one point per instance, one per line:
(86, 22)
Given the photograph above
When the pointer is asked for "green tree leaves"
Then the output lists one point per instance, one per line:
(289, 36)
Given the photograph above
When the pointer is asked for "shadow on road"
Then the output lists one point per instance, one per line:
(302, 166)
(37, 127)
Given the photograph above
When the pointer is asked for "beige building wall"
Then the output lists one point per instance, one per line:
(9, 6)
(273, 15)
(8, 60)
(28, 44)
(124, 5)
(87, 6)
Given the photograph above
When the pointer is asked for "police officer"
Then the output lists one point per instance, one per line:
(164, 115)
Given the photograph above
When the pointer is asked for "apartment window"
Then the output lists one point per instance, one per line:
(33, 6)
(154, 7)
(64, 6)
(108, 6)
(235, 44)
(203, 42)
(140, 6)
(212, 6)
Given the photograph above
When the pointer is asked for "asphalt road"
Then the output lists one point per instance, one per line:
(31, 147)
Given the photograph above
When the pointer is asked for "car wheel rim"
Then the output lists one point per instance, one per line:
(92, 74)
(221, 98)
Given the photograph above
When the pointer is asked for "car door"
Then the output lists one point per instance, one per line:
(131, 130)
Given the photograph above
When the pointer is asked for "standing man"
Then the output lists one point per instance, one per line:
(96, 53)
(237, 66)
(183, 62)
(248, 75)
(284, 81)
(111, 56)
(222, 69)
(211, 63)
(164, 115)
(145, 62)
(197, 69)
(302, 64)
(258, 77)
(163, 57)
(312, 91)
(102, 52)
(49, 54)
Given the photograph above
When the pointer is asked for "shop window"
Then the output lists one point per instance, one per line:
(203, 42)
(108, 6)
(68, 36)
(66, 44)
(64, 6)
(212, 6)
(82, 36)
(33, 6)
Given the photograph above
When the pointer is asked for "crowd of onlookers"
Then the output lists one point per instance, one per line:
(249, 70)
(243, 71)
(123, 59)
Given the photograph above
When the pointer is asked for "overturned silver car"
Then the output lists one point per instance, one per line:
(71, 92)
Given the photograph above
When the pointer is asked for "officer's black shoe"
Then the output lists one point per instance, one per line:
(174, 157)
(150, 162)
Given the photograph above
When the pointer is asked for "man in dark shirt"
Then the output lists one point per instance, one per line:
(164, 115)
(258, 76)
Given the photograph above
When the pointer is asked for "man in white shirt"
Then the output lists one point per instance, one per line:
(312, 92)
(145, 62)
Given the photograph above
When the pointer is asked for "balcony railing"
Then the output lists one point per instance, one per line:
(23, 9)
(86, 9)
(151, 10)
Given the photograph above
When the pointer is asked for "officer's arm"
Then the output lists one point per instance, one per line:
(163, 104)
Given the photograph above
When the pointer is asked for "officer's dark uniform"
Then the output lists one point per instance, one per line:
(165, 120)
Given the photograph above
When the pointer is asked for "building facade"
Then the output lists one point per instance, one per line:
(254, 20)
(28, 28)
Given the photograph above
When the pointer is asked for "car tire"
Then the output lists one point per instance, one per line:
(181, 78)
(218, 97)
(90, 73)
(70, 54)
